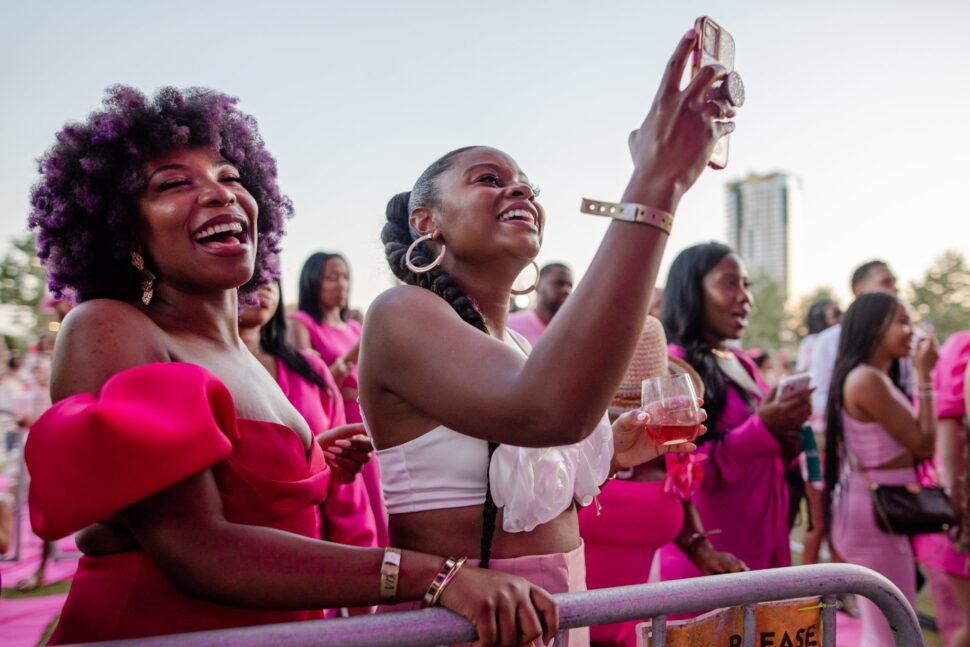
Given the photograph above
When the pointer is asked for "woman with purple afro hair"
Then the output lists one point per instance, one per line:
(192, 480)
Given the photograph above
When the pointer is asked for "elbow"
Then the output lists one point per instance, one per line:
(186, 578)
(925, 451)
(557, 427)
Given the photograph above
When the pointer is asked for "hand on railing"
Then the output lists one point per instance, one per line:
(505, 609)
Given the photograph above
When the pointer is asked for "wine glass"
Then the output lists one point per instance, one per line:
(671, 403)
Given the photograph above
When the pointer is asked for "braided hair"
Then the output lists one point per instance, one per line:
(397, 236)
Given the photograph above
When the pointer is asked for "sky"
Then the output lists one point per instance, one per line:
(865, 102)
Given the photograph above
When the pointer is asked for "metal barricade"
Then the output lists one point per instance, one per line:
(588, 608)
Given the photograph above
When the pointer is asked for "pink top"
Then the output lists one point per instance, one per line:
(949, 376)
(347, 516)
(744, 492)
(332, 342)
(869, 442)
(528, 324)
(150, 427)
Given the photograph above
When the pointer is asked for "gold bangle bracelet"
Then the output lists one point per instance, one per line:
(390, 569)
(444, 577)
(630, 212)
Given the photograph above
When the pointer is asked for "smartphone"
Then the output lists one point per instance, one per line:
(714, 45)
(792, 386)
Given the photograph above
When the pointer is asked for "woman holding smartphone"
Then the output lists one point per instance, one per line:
(873, 436)
(151, 215)
(753, 438)
(498, 439)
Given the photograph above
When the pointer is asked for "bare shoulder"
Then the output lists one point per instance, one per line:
(99, 338)
(866, 377)
(869, 387)
(407, 303)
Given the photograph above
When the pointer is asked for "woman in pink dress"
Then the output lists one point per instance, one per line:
(946, 569)
(165, 428)
(321, 325)
(502, 442)
(308, 385)
(752, 439)
(873, 436)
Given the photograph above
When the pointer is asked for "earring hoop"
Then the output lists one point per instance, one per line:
(430, 266)
(531, 288)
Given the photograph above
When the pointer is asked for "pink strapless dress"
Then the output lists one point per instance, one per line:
(149, 428)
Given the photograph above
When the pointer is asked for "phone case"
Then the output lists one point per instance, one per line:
(714, 45)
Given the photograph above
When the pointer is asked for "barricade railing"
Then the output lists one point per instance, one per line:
(589, 608)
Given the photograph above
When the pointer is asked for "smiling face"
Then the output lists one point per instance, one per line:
(897, 341)
(727, 299)
(487, 208)
(198, 222)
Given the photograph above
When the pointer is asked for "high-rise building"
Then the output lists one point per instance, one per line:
(759, 209)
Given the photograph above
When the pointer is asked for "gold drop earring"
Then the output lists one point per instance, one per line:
(148, 279)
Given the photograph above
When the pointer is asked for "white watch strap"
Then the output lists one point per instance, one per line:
(629, 212)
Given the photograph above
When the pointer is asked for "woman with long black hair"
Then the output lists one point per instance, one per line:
(752, 439)
(321, 325)
(874, 436)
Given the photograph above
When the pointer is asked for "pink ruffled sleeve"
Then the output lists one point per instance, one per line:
(949, 376)
(90, 456)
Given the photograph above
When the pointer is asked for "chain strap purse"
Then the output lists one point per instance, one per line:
(909, 509)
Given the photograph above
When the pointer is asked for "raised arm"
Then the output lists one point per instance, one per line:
(486, 389)
(871, 390)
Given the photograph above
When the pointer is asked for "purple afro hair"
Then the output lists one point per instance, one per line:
(85, 204)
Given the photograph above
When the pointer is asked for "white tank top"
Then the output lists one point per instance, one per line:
(446, 469)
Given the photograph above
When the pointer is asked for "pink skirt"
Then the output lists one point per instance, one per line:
(858, 539)
(556, 573)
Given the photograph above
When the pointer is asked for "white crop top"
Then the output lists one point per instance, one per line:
(445, 469)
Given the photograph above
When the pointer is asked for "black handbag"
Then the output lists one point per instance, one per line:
(908, 509)
(912, 509)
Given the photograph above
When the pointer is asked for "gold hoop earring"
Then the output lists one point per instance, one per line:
(148, 280)
(533, 287)
(430, 266)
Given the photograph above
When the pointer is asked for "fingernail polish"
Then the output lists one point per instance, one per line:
(641, 416)
(337, 450)
(342, 442)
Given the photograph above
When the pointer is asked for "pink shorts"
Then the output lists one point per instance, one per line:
(556, 573)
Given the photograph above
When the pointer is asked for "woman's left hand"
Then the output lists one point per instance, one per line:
(347, 448)
(715, 562)
(632, 446)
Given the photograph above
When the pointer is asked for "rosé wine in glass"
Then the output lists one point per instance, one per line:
(671, 403)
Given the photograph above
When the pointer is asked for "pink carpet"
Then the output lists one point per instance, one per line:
(848, 630)
(25, 620)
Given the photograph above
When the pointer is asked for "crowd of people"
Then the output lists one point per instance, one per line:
(439, 450)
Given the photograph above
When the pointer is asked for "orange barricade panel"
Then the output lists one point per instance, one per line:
(790, 623)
